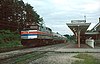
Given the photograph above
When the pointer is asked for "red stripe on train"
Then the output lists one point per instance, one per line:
(24, 32)
(36, 32)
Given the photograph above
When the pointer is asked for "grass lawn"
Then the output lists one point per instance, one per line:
(87, 59)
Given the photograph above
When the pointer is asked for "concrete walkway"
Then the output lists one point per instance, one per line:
(78, 50)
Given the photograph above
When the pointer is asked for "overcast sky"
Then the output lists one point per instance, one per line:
(56, 13)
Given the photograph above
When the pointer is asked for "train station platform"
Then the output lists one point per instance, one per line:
(70, 45)
(79, 27)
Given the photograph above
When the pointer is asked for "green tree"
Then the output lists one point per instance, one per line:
(31, 16)
(19, 14)
(16, 12)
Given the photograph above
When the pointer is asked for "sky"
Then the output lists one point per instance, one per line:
(56, 13)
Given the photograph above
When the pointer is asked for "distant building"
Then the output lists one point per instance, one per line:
(94, 33)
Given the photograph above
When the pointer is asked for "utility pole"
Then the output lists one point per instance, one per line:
(85, 18)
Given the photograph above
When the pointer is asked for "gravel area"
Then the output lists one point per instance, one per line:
(55, 54)
(60, 58)
(56, 58)
(53, 48)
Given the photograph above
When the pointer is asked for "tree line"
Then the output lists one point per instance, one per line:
(16, 11)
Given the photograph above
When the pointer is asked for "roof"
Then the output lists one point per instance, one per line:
(96, 27)
(75, 27)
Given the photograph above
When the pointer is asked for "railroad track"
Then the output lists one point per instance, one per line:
(39, 52)
(10, 57)
(21, 58)
(12, 49)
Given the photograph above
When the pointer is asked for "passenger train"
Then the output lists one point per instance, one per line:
(35, 35)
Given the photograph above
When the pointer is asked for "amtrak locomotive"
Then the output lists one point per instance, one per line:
(35, 35)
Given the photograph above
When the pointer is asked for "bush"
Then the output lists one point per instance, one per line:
(9, 39)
